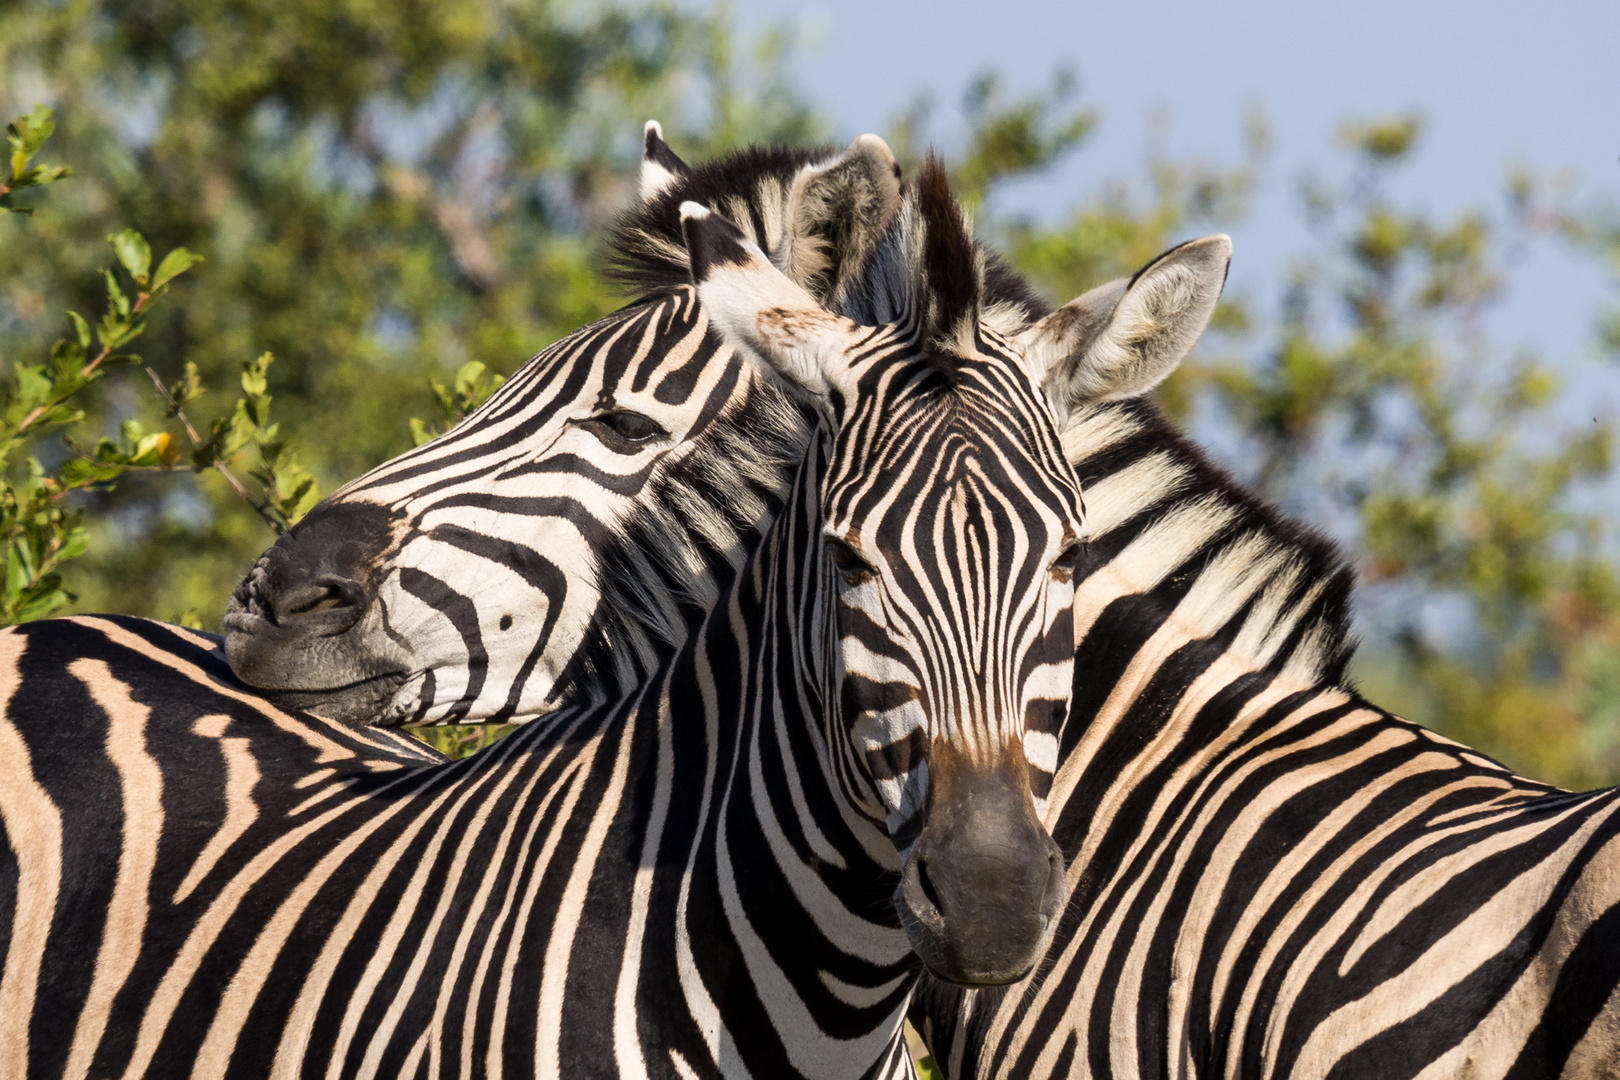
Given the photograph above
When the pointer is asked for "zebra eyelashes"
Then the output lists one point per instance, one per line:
(848, 562)
(623, 430)
(1063, 566)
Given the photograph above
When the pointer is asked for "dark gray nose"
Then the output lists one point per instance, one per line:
(298, 622)
(291, 603)
(982, 888)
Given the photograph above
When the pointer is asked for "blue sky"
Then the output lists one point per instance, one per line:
(1497, 83)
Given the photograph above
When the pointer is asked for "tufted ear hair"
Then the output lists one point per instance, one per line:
(660, 168)
(837, 212)
(1121, 339)
(756, 307)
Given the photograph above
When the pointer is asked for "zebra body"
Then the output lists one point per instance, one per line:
(291, 896)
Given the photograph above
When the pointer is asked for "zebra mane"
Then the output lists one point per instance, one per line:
(645, 252)
(1149, 486)
(749, 186)
(950, 276)
(929, 269)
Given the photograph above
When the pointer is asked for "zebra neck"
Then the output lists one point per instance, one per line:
(765, 874)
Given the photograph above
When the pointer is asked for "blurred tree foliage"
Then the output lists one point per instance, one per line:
(384, 193)
(402, 202)
(1381, 395)
(41, 528)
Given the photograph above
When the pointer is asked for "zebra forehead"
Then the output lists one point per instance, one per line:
(957, 431)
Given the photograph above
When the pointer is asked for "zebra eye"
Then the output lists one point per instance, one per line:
(850, 566)
(624, 430)
(1063, 566)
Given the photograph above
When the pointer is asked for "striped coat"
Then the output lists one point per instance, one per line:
(1269, 876)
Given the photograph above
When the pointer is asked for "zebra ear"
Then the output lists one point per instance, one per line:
(836, 213)
(756, 307)
(1121, 339)
(659, 166)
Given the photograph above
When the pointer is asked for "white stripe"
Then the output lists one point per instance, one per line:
(34, 829)
(141, 783)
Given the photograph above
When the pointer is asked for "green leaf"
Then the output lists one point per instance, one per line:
(33, 385)
(186, 389)
(28, 133)
(134, 253)
(116, 300)
(421, 433)
(67, 356)
(254, 383)
(76, 472)
(446, 402)
(81, 329)
(173, 265)
(73, 545)
(44, 599)
(467, 377)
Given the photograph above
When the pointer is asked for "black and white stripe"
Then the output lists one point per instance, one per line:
(1197, 610)
(580, 518)
(1196, 595)
(480, 561)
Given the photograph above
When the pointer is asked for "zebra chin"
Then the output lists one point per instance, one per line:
(368, 704)
(983, 885)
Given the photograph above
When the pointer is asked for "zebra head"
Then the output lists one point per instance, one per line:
(949, 522)
(597, 493)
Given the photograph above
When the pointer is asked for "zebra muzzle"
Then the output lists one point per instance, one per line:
(303, 626)
(982, 887)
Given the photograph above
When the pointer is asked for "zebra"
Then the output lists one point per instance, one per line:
(173, 689)
(1208, 604)
(235, 771)
(571, 530)
(314, 972)
(1225, 733)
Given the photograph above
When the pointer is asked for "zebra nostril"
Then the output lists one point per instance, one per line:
(329, 604)
(320, 598)
(926, 883)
